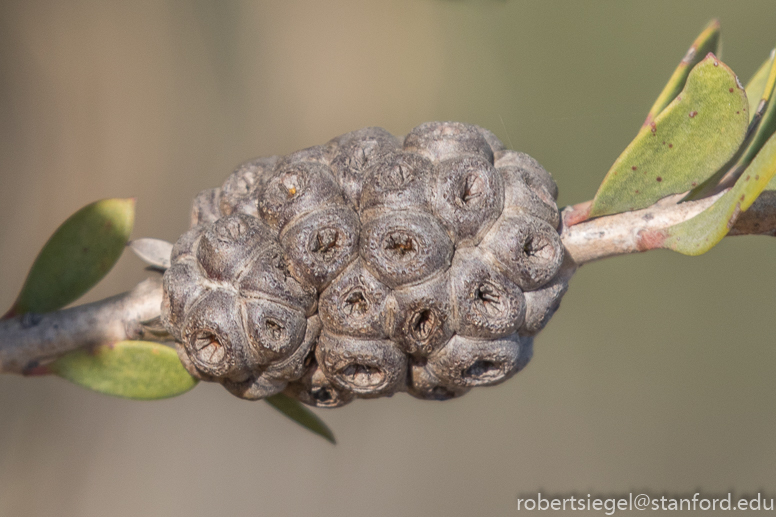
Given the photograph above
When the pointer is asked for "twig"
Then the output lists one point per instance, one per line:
(30, 340)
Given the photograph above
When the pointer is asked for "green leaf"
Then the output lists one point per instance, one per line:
(689, 140)
(77, 256)
(707, 41)
(756, 86)
(294, 410)
(702, 232)
(140, 370)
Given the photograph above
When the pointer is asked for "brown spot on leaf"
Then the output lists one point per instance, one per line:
(694, 183)
(654, 128)
(747, 177)
(670, 145)
(659, 179)
(756, 176)
(742, 197)
(633, 168)
(730, 90)
(693, 113)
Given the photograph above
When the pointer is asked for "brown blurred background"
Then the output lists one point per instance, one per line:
(657, 374)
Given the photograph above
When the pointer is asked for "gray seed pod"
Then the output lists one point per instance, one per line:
(321, 244)
(468, 197)
(425, 385)
(422, 321)
(237, 192)
(274, 331)
(487, 303)
(355, 304)
(400, 181)
(535, 175)
(315, 389)
(528, 249)
(439, 141)
(367, 367)
(472, 362)
(267, 275)
(519, 196)
(356, 153)
(368, 266)
(542, 304)
(297, 189)
(214, 339)
(204, 209)
(405, 247)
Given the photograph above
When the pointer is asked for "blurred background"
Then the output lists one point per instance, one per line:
(657, 374)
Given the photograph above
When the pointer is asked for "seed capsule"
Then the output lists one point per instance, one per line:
(321, 244)
(405, 247)
(519, 196)
(355, 304)
(541, 305)
(367, 367)
(205, 210)
(469, 196)
(237, 192)
(528, 249)
(227, 245)
(472, 362)
(274, 331)
(534, 174)
(400, 181)
(315, 389)
(440, 141)
(182, 288)
(214, 339)
(355, 154)
(422, 321)
(296, 189)
(425, 385)
(488, 304)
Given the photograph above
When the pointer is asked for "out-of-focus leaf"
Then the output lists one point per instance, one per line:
(702, 232)
(130, 369)
(294, 410)
(154, 252)
(707, 41)
(756, 86)
(79, 253)
(688, 141)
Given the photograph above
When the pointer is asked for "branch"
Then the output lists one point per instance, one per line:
(30, 340)
(625, 233)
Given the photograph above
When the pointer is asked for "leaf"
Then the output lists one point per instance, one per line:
(294, 410)
(140, 370)
(77, 256)
(154, 252)
(756, 86)
(707, 41)
(702, 232)
(688, 141)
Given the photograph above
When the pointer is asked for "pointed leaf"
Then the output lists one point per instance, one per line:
(294, 410)
(688, 141)
(130, 369)
(707, 41)
(702, 232)
(154, 252)
(77, 256)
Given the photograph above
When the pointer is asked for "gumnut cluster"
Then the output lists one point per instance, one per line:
(368, 266)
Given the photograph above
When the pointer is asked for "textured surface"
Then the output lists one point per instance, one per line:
(367, 266)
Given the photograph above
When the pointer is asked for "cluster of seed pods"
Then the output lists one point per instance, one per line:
(367, 266)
